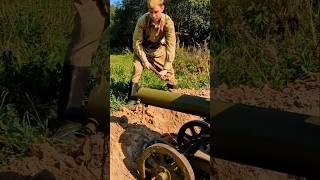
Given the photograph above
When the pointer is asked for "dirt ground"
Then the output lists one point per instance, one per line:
(130, 130)
(81, 161)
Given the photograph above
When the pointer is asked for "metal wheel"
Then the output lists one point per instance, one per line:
(163, 162)
(193, 136)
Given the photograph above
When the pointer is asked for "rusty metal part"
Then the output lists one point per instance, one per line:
(194, 135)
(163, 162)
(179, 102)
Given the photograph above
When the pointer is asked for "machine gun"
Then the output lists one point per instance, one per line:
(266, 138)
(191, 154)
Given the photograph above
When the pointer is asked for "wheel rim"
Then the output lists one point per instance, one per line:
(194, 135)
(163, 162)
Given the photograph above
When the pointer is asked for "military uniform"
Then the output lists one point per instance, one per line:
(89, 25)
(91, 20)
(155, 44)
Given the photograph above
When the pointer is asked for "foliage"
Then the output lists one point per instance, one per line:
(34, 36)
(16, 133)
(264, 42)
(191, 18)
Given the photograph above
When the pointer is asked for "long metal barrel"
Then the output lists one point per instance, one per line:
(179, 102)
(272, 139)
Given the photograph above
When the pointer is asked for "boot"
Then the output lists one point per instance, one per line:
(74, 83)
(171, 87)
(132, 96)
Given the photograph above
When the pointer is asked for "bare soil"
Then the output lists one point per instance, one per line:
(82, 161)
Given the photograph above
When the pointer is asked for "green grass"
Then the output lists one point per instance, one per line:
(191, 66)
(34, 36)
(16, 133)
(251, 47)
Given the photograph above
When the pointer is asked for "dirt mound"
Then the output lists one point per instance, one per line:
(43, 161)
(300, 96)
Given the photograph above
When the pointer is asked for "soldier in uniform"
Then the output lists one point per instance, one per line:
(91, 20)
(154, 44)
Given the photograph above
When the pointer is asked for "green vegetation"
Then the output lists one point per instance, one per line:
(265, 42)
(192, 55)
(191, 18)
(16, 133)
(191, 65)
(34, 36)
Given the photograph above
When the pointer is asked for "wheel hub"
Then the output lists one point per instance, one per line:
(163, 174)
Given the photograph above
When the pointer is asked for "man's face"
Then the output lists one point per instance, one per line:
(155, 13)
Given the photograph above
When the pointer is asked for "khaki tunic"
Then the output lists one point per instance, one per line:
(155, 44)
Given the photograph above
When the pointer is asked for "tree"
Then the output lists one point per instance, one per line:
(191, 18)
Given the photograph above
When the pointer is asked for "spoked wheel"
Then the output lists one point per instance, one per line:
(163, 162)
(193, 136)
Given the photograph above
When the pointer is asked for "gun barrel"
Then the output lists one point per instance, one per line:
(267, 138)
(179, 102)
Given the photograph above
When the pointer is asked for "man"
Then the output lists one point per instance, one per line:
(154, 44)
(91, 20)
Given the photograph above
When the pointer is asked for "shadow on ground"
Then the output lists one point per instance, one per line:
(42, 175)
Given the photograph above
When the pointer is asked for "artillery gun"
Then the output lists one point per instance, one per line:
(266, 138)
(190, 154)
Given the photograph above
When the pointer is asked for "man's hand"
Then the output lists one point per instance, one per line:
(146, 65)
(163, 73)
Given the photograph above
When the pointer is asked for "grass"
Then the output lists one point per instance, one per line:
(191, 66)
(256, 49)
(34, 36)
(16, 133)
